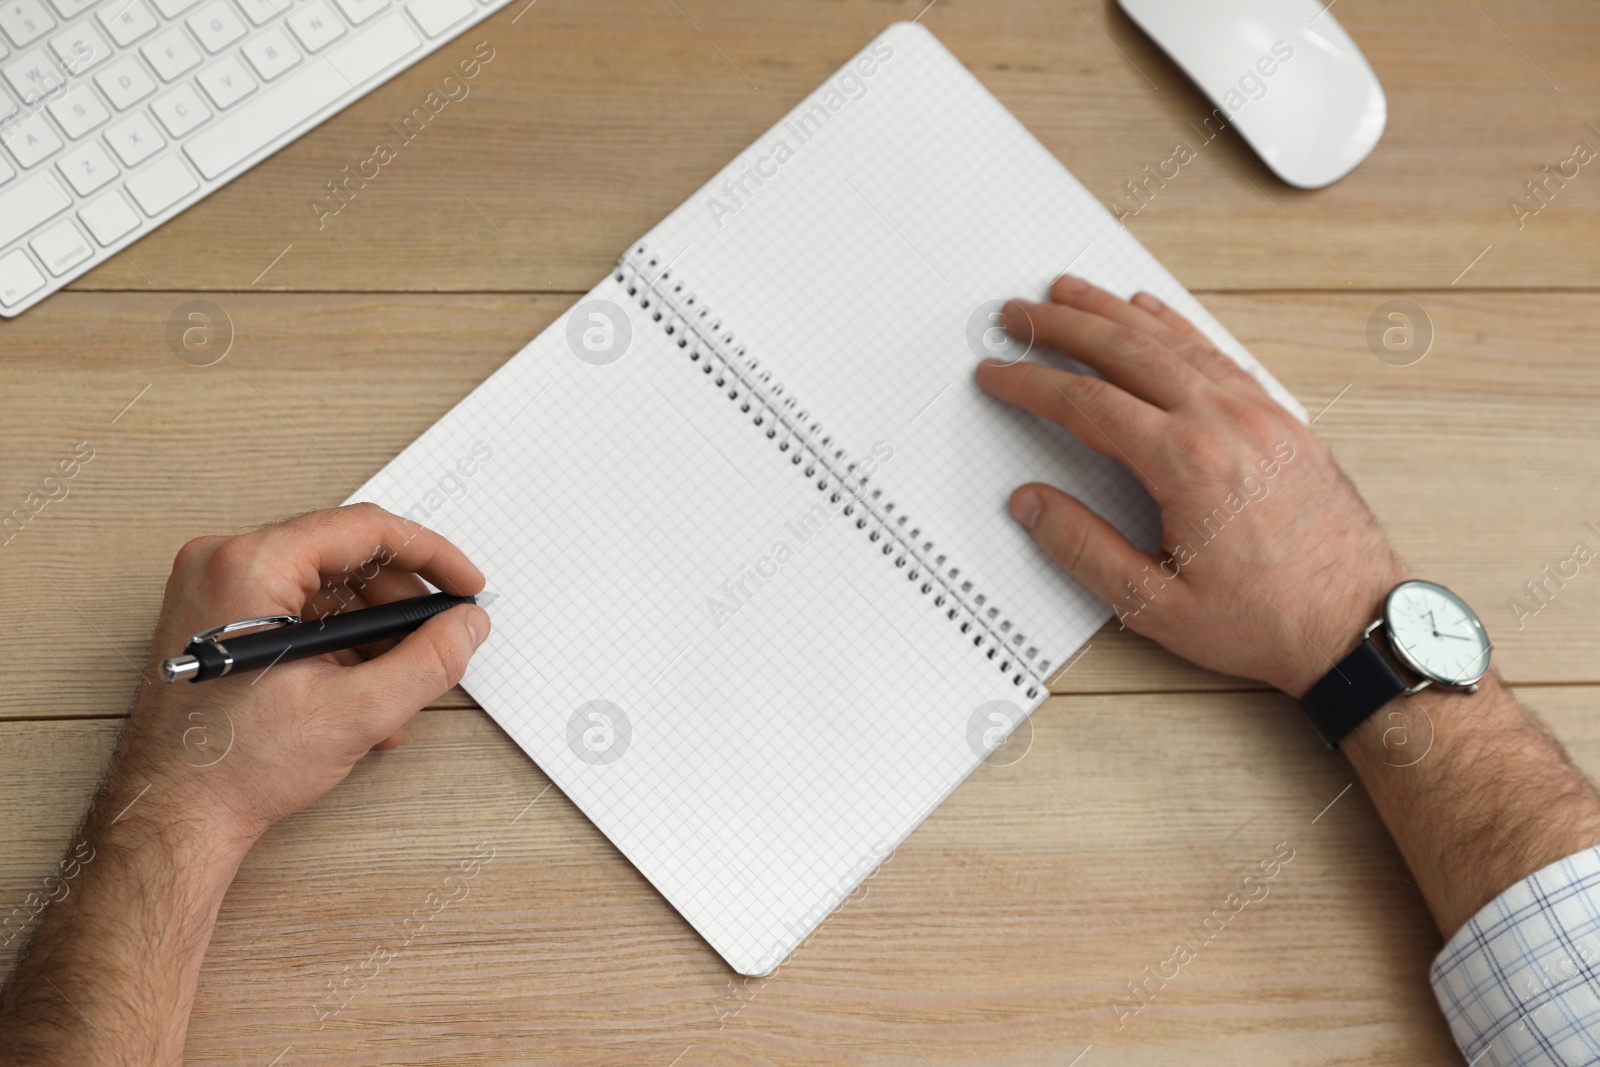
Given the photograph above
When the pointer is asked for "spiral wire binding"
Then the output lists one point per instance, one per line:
(708, 342)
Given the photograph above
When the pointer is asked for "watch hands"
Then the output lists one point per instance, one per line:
(1438, 633)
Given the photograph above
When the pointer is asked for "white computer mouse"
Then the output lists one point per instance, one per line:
(1282, 72)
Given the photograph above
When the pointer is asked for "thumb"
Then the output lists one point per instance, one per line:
(418, 670)
(1085, 545)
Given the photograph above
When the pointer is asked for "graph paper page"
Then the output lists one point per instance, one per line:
(754, 763)
(861, 244)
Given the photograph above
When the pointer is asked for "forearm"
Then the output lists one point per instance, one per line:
(109, 975)
(1475, 791)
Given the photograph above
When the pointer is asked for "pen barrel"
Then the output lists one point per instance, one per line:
(316, 637)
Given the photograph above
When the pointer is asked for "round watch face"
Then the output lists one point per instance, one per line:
(1434, 632)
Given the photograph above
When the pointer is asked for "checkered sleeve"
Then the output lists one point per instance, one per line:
(1520, 982)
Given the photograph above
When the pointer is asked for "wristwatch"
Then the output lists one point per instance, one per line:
(1430, 633)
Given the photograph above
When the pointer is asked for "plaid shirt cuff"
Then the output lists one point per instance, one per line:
(1520, 982)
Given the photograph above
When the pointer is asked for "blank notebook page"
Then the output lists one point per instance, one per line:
(760, 606)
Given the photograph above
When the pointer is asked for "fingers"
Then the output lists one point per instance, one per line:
(1128, 356)
(356, 591)
(280, 568)
(1194, 346)
(359, 537)
(371, 582)
(1169, 318)
(419, 670)
(1149, 315)
(387, 586)
(1102, 416)
(1076, 292)
(1088, 547)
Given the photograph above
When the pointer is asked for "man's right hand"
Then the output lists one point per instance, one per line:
(202, 770)
(239, 753)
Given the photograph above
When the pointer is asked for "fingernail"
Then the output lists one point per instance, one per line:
(1071, 281)
(1025, 508)
(1147, 301)
(477, 626)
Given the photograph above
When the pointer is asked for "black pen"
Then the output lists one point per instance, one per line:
(207, 656)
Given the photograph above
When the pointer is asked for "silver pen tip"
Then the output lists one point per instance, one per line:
(485, 599)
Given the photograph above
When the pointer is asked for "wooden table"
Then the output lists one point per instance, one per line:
(1007, 927)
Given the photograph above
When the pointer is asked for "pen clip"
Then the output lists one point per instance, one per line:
(210, 636)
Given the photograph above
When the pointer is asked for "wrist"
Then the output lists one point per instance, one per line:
(1434, 723)
(185, 759)
(147, 804)
(1331, 626)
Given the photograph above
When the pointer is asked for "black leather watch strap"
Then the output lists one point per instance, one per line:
(1348, 695)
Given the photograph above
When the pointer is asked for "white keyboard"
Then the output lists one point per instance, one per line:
(115, 115)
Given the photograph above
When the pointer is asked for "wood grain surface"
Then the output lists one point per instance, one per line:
(598, 117)
(1004, 931)
(1007, 928)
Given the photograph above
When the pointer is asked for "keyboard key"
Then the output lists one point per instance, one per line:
(78, 111)
(216, 25)
(271, 53)
(359, 11)
(28, 203)
(25, 21)
(108, 218)
(436, 16)
(32, 141)
(127, 21)
(71, 9)
(134, 139)
(299, 96)
(87, 167)
(62, 247)
(19, 279)
(262, 12)
(181, 110)
(125, 83)
(161, 185)
(34, 75)
(6, 173)
(226, 82)
(173, 8)
(81, 48)
(171, 54)
(316, 25)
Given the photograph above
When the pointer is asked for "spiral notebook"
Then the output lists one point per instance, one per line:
(761, 607)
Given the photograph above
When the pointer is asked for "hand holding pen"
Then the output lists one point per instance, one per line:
(209, 656)
(236, 755)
